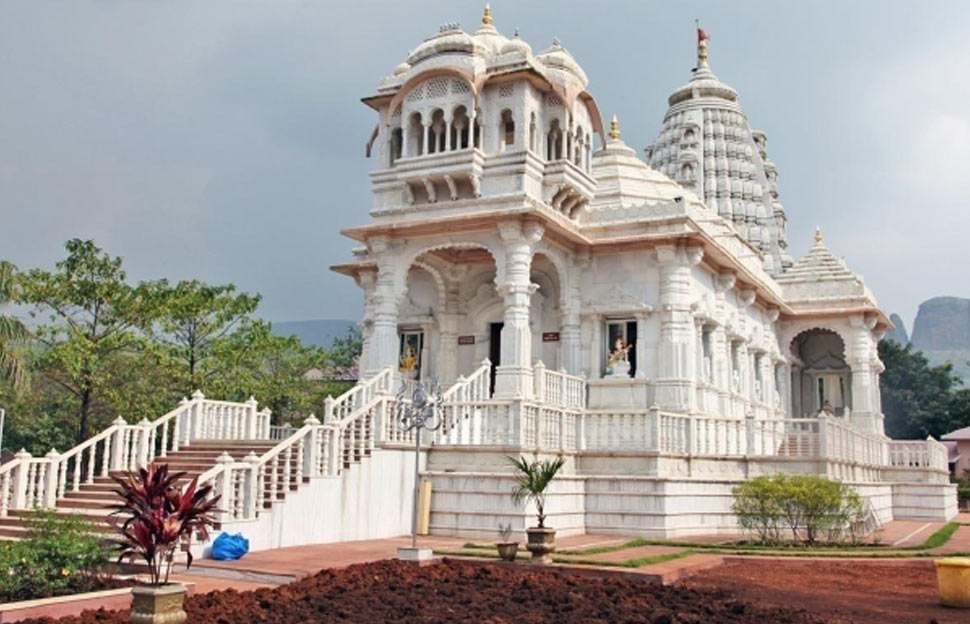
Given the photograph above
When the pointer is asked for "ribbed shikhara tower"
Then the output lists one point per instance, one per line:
(707, 145)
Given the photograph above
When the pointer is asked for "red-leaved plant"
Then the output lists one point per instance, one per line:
(156, 516)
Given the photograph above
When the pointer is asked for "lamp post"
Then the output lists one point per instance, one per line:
(422, 412)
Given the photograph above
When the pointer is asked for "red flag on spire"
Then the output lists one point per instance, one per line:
(701, 35)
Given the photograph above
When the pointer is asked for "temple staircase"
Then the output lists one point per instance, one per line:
(253, 466)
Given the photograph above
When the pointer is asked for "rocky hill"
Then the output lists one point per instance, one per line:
(942, 332)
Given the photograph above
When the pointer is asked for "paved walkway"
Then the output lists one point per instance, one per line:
(269, 568)
(299, 561)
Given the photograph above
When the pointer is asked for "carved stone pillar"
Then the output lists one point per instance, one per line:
(570, 342)
(448, 329)
(641, 345)
(863, 400)
(383, 345)
(675, 387)
(513, 376)
(367, 280)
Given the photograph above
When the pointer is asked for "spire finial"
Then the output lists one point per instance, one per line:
(487, 14)
(614, 128)
(818, 235)
(701, 45)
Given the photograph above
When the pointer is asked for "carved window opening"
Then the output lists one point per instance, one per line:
(397, 142)
(506, 131)
(554, 142)
(436, 132)
(620, 357)
(460, 128)
(532, 133)
(415, 135)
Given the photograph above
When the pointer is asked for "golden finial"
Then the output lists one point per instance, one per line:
(614, 128)
(818, 236)
(487, 15)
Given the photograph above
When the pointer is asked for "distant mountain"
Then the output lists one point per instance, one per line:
(898, 333)
(942, 332)
(319, 332)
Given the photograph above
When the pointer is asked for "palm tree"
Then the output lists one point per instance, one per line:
(12, 332)
(531, 481)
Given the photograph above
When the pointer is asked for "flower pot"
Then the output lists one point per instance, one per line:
(507, 550)
(953, 580)
(541, 544)
(158, 605)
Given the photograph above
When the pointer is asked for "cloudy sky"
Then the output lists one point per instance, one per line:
(224, 140)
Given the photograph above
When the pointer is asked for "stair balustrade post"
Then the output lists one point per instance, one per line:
(19, 499)
(538, 381)
(225, 489)
(328, 409)
(118, 444)
(311, 456)
(52, 477)
(197, 430)
(653, 422)
(252, 486)
(252, 427)
(144, 442)
(180, 426)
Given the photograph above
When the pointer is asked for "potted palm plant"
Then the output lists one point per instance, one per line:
(507, 549)
(531, 480)
(154, 518)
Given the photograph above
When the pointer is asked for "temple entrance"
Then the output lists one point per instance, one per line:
(821, 378)
(494, 351)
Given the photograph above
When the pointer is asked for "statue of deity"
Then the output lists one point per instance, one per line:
(618, 365)
(409, 363)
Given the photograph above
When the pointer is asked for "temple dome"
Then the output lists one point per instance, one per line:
(624, 180)
(557, 59)
(821, 280)
(450, 40)
(516, 45)
(707, 145)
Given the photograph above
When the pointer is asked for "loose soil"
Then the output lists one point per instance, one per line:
(454, 591)
(860, 592)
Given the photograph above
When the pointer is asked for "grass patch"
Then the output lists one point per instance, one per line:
(942, 536)
(637, 562)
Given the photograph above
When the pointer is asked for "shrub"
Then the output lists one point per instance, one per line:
(756, 507)
(809, 506)
(58, 555)
(157, 516)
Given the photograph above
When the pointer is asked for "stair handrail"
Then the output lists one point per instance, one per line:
(341, 408)
(475, 387)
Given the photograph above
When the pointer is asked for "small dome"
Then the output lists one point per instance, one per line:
(558, 58)
(517, 46)
(401, 69)
(451, 39)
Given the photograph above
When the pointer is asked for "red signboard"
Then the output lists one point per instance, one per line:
(550, 336)
(466, 340)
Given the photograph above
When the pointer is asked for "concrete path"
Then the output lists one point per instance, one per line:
(300, 561)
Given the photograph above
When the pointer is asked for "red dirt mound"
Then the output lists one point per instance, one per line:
(453, 591)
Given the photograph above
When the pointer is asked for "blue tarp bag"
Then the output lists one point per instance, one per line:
(229, 547)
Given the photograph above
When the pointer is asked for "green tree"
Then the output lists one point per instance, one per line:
(92, 334)
(256, 362)
(13, 333)
(919, 400)
(197, 318)
(345, 351)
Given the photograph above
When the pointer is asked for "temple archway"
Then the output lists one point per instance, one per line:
(821, 378)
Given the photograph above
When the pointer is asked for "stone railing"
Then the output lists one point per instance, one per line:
(558, 388)
(28, 482)
(314, 450)
(921, 454)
